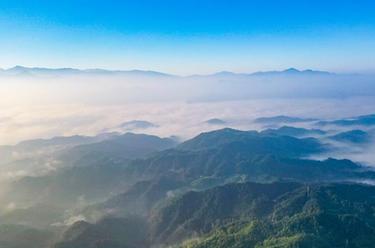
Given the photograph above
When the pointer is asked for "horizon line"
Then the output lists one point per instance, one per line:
(92, 69)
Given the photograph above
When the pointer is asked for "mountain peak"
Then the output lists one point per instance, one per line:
(18, 68)
(292, 70)
(24, 70)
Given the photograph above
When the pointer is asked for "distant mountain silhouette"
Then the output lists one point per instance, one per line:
(287, 72)
(136, 124)
(215, 121)
(294, 131)
(353, 136)
(41, 71)
(281, 119)
(292, 71)
(364, 120)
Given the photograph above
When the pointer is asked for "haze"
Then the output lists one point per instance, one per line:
(189, 124)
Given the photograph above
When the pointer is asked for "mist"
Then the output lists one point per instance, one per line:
(43, 106)
(46, 120)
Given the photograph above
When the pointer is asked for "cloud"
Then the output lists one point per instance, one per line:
(63, 106)
(70, 221)
(173, 118)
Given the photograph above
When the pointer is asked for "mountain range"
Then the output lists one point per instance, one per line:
(222, 188)
(40, 71)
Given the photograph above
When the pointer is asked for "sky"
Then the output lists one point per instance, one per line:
(189, 37)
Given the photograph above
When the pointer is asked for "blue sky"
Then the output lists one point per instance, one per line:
(186, 37)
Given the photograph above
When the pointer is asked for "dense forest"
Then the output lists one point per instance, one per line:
(223, 188)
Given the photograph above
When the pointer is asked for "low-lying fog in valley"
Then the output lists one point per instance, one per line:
(73, 143)
(46, 103)
(42, 103)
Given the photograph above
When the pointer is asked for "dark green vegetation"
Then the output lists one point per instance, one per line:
(91, 171)
(121, 147)
(253, 142)
(17, 236)
(225, 188)
(275, 215)
(248, 215)
(108, 233)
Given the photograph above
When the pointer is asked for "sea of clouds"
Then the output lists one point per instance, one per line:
(43, 107)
